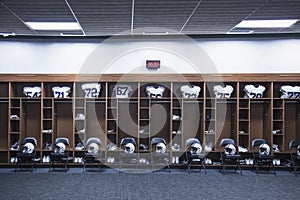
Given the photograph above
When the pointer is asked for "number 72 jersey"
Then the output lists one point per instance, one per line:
(91, 90)
(288, 91)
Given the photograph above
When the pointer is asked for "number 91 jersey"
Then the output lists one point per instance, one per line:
(288, 91)
(91, 90)
(32, 92)
(61, 92)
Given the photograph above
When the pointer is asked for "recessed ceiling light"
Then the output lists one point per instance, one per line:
(155, 33)
(8, 34)
(239, 32)
(54, 25)
(282, 23)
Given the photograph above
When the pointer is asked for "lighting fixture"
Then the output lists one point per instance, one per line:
(53, 25)
(281, 23)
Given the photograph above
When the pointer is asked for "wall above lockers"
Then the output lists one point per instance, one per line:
(178, 54)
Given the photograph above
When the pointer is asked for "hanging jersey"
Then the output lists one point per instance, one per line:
(288, 91)
(155, 92)
(122, 91)
(254, 92)
(61, 92)
(91, 90)
(190, 92)
(32, 92)
(223, 91)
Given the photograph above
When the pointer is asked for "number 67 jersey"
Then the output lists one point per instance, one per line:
(91, 90)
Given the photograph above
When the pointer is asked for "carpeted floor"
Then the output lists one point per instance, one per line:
(161, 185)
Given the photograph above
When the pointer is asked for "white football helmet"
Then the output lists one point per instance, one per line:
(93, 148)
(60, 147)
(264, 149)
(196, 148)
(28, 148)
(230, 149)
(129, 148)
(160, 148)
(298, 150)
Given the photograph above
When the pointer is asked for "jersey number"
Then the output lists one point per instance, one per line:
(91, 92)
(256, 95)
(122, 90)
(35, 95)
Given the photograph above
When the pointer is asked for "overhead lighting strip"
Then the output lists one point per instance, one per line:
(53, 26)
(281, 23)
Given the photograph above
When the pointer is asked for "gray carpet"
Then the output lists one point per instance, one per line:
(161, 185)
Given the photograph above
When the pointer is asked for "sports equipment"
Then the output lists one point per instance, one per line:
(276, 147)
(196, 148)
(32, 92)
(288, 91)
(298, 150)
(230, 149)
(91, 90)
(28, 148)
(122, 91)
(264, 149)
(93, 148)
(79, 146)
(190, 92)
(160, 148)
(254, 91)
(129, 148)
(155, 92)
(61, 92)
(60, 147)
(223, 91)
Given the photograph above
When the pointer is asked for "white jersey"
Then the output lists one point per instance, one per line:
(288, 91)
(122, 91)
(190, 92)
(254, 92)
(32, 92)
(91, 90)
(61, 92)
(223, 91)
(155, 92)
